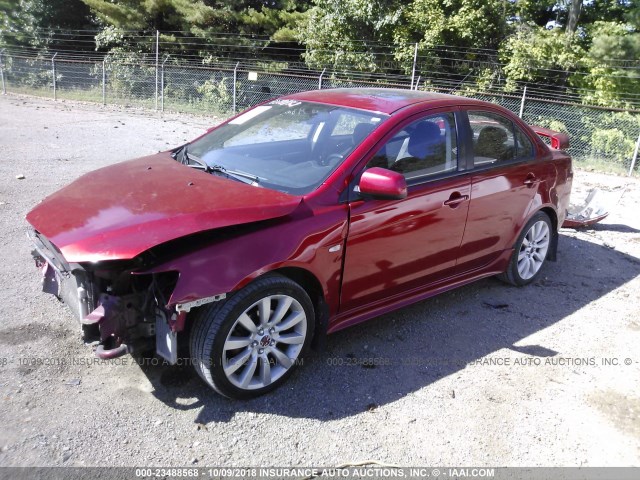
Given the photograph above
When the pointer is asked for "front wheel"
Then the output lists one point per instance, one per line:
(251, 344)
(530, 251)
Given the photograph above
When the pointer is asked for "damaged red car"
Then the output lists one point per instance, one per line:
(297, 218)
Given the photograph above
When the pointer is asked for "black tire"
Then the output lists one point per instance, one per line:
(514, 274)
(214, 324)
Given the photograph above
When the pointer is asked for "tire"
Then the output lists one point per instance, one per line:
(530, 252)
(251, 343)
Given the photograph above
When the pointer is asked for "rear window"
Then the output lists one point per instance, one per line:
(497, 139)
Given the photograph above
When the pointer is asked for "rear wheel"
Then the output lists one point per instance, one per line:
(252, 343)
(530, 252)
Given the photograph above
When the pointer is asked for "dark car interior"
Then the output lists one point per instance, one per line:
(426, 147)
(297, 165)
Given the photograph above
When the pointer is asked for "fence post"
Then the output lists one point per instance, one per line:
(635, 156)
(524, 97)
(413, 69)
(157, 59)
(4, 88)
(417, 82)
(104, 81)
(320, 79)
(53, 71)
(162, 83)
(235, 77)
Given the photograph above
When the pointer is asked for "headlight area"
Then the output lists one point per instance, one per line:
(120, 309)
(130, 314)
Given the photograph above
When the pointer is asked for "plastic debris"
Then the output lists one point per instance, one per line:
(592, 211)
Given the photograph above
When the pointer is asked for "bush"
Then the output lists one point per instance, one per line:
(217, 93)
(612, 143)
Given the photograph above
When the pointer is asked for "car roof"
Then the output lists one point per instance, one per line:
(381, 100)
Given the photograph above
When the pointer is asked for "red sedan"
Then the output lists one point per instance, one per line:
(297, 218)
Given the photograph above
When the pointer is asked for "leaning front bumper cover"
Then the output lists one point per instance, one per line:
(68, 282)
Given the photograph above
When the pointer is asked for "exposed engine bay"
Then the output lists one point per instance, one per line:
(124, 311)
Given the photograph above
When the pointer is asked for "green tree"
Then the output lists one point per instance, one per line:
(613, 76)
(349, 33)
(200, 16)
(346, 34)
(535, 54)
(177, 20)
(279, 20)
(465, 24)
(597, 58)
(538, 12)
(30, 22)
(575, 8)
(150, 15)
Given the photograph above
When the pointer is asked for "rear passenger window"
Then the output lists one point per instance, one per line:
(425, 147)
(493, 139)
(524, 147)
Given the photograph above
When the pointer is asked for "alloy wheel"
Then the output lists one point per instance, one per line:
(264, 342)
(533, 249)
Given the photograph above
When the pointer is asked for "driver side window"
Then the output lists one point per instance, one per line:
(423, 148)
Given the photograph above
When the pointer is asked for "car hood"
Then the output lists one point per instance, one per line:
(122, 210)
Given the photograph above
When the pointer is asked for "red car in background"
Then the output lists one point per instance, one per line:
(297, 218)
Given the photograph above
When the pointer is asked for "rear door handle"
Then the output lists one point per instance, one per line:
(456, 199)
(530, 180)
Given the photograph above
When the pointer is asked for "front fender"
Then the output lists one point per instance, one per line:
(228, 265)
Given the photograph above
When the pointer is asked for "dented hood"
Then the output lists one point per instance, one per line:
(120, 211)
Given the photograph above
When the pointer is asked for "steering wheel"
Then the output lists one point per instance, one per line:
(330, 160)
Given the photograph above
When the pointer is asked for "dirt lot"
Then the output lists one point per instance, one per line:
(488, 375)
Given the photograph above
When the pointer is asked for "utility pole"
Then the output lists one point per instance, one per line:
(53, 73)
(524, 99)
(635, 156)
(235, 79)
(4, 88)
(162, 83)
(157, 60)
(104, 81)
(415, 60)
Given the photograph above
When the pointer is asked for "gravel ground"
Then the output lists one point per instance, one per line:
(488, 375)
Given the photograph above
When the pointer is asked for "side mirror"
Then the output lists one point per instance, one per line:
(383, 184)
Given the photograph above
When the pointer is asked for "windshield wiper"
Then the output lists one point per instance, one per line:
(180, 155)
(241, 176)
(191, 160)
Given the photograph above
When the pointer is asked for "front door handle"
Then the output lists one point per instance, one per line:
(456, 199)
(530, 180)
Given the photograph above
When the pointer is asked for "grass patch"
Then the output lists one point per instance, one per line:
(603, 165)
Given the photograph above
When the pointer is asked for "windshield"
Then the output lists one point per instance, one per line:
(286, 145)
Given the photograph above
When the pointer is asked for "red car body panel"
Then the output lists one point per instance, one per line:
(122, 210)
(301, 240)
(500, 205)
(367, 256)
(384, 101)
(396, 246)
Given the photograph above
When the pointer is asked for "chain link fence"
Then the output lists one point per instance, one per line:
(601, 139)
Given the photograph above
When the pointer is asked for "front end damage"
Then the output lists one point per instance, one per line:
(123, 310)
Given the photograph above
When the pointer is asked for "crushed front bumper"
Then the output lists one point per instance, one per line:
(69, 282)
(123, 321)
